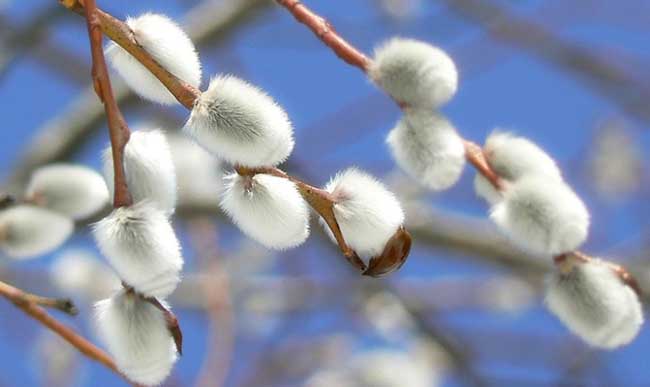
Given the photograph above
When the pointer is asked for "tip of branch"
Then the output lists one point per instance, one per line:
(67, 306)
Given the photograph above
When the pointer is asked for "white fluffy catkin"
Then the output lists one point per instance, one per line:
(241, 124)
(542, 215)
(140, 244)
(595, 304)
(267, 208)
(136, 335)
(513, 157)
(426, 146)
(71, 190)
(27, 231)
(368, 214)
(149, 169)
(168, 44)
(414, 73)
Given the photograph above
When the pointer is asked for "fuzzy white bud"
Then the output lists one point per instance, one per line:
(414, 73)
(149, 169)
(241, 124)
(595, 304)
(542, 215)
(168, 44)
(367, 213)
(140, 244)
(426, 146)
(71, 190)
(513, 157)
(137, 337)
(27, 231)
(267, 208)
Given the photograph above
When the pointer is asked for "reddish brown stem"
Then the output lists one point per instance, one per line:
(475, 156)
(118, 130)
(26, 303)
(321, 201)
(326, 33)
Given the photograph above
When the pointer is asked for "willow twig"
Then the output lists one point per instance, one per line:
(118, 130)
(29, 304)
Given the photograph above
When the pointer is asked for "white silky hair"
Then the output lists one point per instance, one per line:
(136, 335)
(595, 304)
(367, 213)
(72, 190)
(542, 215)
(513, 157)
(269, 209)
(149, 169)
(199, 175)
(428, 148)
(27, 231)
(140, 244)
(414, 73)
(241, 124)
(168, 44)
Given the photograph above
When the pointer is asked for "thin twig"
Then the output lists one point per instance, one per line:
(26, 303)
(118, 130)
(18, 296)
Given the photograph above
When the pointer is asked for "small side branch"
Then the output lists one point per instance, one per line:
(118, 130)
(321, 201)
(30, 304)
(326, 33)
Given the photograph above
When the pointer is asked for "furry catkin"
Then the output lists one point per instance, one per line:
(241, 124)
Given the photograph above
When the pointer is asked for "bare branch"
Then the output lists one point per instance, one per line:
(118, 130)
(27, 304)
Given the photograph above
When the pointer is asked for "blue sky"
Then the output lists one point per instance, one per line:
(342, 120)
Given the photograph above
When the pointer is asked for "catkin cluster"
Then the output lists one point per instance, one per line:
(532, 204)
(241, 125)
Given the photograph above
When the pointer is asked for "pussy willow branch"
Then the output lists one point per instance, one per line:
(18, 296)
(321, 201)
(118, 130)
(473, 152)
(346, 51)
(29, 304)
